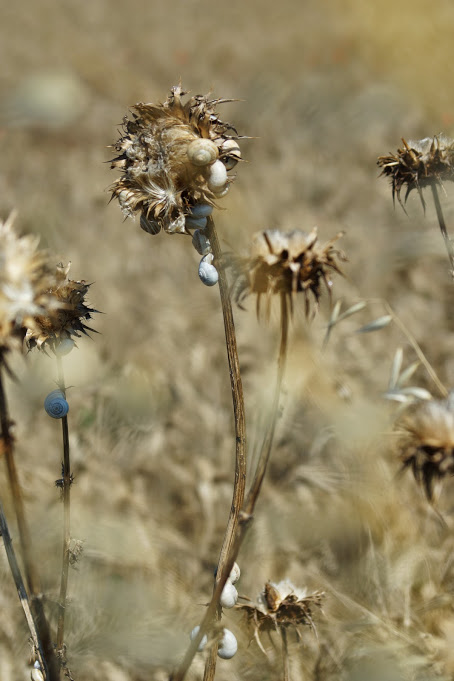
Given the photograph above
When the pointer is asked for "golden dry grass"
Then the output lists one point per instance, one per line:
(327, 87)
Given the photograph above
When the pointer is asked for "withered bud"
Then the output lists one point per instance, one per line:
(173, 156)
(285, 263)
(427, 441)
(419, 164)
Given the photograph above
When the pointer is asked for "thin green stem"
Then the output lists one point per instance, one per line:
(51, 667)
(66, 522)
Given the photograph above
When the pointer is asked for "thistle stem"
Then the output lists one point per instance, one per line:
(441, 222)
(66, 473)
(286, 674)
(51, 667)
(226, 559)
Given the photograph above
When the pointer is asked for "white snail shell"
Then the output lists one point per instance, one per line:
(201, 243)
(150, 226)
(64, 347)
(202, 152)
(230, 153)
(201, 210)
(193, 223)
(56, 405)
(208, 274)
(235, 574)
(222, 192)
(217, 176)
(229, 595)
(228, 645)
(204, 640)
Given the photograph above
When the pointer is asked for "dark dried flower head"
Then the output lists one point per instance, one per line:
(419, 164)
(427, 442)
(286, 263)
(25, 279)
(49, 331)
(281, 605)
(173, 156)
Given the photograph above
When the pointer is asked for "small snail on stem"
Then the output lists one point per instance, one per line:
(56, 405)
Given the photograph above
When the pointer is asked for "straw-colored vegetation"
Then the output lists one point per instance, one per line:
(349, 557)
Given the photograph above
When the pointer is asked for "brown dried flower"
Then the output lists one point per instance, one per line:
(25, 279)
(427, 442)
(285, 263)
(49, 331)
(281, 605)
(173, 156)
(419, 164)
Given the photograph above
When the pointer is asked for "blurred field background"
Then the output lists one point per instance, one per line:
(324, 88)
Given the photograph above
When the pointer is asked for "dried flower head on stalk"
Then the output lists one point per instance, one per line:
(51, 331)
(418, 164)
(173, 156)
(285, 263)
(281, 605)
(26, 277)
(427, 441)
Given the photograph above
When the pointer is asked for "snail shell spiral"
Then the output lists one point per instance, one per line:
(202, 152)
(56, 405)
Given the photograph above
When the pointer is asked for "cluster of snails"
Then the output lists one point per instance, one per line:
(228, 645)
(208, 273)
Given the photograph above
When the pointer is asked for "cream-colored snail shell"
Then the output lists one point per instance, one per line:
(36, 673)
(204, 640)
(228, 645)
(202, 152)
(217, 176)
(56, 405)
(208, 274)
(235, 574)
(231, 153)
(229, 595)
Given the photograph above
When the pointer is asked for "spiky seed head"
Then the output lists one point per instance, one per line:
(426, 444)
(418, 164)
(68, 322)
(281, 605)
(285, 263)
(170, 157)
(25, 279)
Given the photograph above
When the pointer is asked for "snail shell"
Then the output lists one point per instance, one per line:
(228, 645)
(204, 640)
(201, 210)
(217, 176)
(202, 152)
(208, 274)
(229, 595)
(199, 223)
(150, 226)
(201, 243)
(64, 347)
(235, 574)
(56, 405)
(230, 153)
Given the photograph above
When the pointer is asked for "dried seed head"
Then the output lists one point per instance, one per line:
(173, 156)
(427, 442)
(419, 164)
(281, 605)
(49, 331)
(286, 263)
(25, 279)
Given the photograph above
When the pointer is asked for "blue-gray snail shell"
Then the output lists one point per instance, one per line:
(56, 405)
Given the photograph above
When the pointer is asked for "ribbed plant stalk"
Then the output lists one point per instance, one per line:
(285, 660)
(442, 223)
(51, 666)
(213, 612)
(66, 492)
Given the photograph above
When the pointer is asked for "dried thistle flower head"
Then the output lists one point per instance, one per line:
(172, 157)
(285, 263)
(25, 279)
(419, 164)
(281, 605)
(427, 442)
(49, 331)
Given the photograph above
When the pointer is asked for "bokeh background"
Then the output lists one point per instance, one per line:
(323, 88)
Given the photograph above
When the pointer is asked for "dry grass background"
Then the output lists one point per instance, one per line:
(327, 87)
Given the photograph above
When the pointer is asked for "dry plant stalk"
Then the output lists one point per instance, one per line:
(423, 163)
